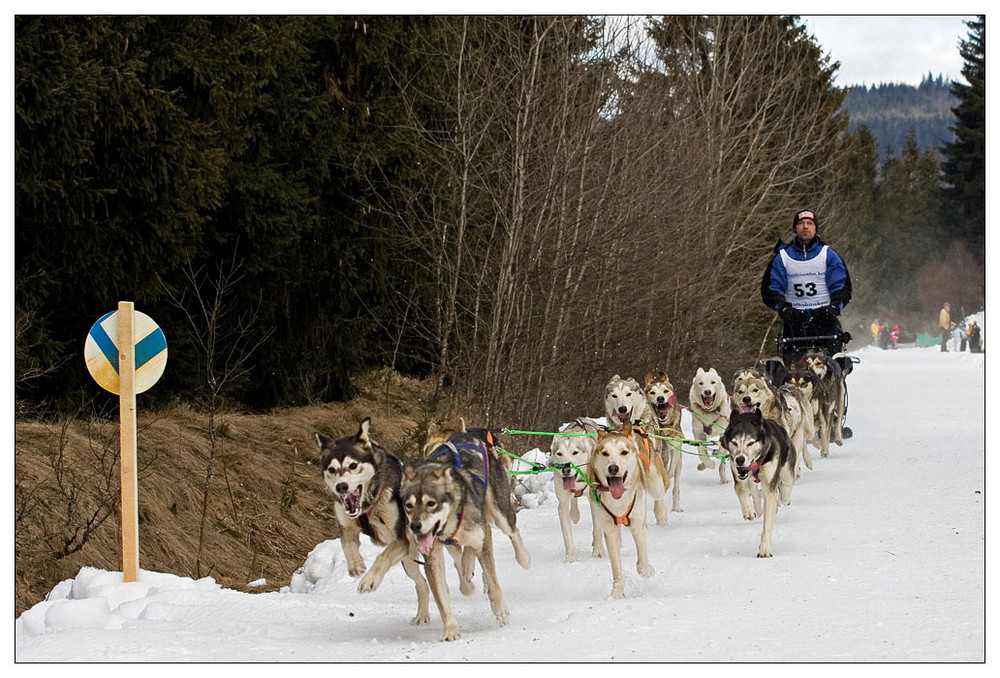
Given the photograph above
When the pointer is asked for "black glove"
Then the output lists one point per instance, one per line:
(826, 312)
(786, 311)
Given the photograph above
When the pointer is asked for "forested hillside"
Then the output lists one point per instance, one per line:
(892, 111)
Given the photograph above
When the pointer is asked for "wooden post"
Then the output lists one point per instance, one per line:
(127, 427)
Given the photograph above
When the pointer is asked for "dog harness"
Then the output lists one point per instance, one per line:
(638, 426)
(619, 520)
(450, 541)
(457, 458)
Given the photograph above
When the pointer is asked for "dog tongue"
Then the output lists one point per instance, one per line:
(569, 482)
(617, 486)
(708, 399)
(747, 409)
(425, 542)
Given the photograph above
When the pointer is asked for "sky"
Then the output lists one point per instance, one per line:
(879, 557)
(881, 49)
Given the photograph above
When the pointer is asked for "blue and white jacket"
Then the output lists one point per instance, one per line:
(792, 262)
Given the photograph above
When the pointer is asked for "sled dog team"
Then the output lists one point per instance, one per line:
(453, 498)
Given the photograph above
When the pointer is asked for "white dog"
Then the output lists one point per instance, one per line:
(569, 458)
(710, 408)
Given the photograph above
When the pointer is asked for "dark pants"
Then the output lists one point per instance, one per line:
(944, 340)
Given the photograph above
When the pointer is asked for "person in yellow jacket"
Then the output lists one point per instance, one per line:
(874, 329)
(944, 320)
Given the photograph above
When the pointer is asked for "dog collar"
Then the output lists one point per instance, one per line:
(450, 541)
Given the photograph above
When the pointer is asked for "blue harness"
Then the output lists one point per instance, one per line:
(457, 457)
(457, 463)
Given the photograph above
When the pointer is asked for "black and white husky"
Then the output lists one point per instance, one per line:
(364, 477)
(763, 463)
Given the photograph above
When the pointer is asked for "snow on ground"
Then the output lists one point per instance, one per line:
(879, 558)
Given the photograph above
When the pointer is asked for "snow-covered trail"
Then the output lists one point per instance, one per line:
(879, 558)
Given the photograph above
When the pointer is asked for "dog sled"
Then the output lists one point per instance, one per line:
(791, 349)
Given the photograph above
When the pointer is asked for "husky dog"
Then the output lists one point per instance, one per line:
(622, 476)
(761, 453)
(666, 415)
(710, 408)
(832, 375)
(821, 403)
(786, 405)
(365, 478)
(569, 457)
(451, 498)
(625, 401)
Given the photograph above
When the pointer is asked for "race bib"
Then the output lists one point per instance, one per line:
(806, 281)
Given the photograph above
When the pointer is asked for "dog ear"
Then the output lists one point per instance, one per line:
(662, 376)
(461, 425)
(323, 440)
(409, 472)
(363, 432)
(627, 428)
(649, 379)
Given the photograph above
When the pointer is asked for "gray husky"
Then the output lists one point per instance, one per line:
(762, 461)
(365, 479)
(450, 499)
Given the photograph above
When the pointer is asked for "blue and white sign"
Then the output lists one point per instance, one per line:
(101, 351)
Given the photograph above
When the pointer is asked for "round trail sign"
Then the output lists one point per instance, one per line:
(101, 351)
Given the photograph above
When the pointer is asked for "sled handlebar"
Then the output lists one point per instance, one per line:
(842, 337)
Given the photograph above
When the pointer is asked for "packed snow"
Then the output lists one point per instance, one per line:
(880, 557)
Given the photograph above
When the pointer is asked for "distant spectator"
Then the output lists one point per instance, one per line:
(874, 329)
(894, 336)
(957, 337)
(975, 337)
(883, 336)
(944, 322)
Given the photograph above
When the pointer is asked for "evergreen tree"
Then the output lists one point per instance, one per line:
(964, 166)
(908, 229)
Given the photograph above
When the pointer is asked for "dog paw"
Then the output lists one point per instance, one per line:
(597, 553)
(421, 619)
(618, 592)
(367, 583)
(646, 570)
(502, 614)
(450, 634)
(763, 554)
(357, 570)
(570, 557)
(466, 587)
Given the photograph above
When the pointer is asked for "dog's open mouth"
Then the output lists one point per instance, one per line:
(663, 410)
(352, 502)
(742, 472)
(616, 485)
(624, 416)
(708, 399)
(425, 541)
(569, 482)
(747, 409)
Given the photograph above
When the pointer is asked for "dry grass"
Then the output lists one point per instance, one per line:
(267, 505)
